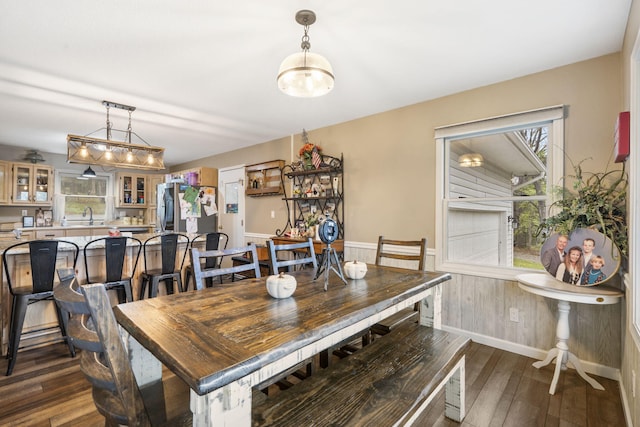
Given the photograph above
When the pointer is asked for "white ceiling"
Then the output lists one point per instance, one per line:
(202, 73)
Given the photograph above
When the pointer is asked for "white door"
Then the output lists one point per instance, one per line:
(231, 187)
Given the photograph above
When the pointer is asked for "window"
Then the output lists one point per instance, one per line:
(77, 194)
(494, 190)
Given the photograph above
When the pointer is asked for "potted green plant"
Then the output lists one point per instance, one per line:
(597, 201)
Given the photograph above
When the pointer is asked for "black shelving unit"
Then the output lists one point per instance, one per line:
(316, 192)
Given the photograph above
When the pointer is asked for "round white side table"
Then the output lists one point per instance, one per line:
(547, 286)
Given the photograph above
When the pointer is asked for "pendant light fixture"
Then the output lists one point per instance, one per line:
(89, 173)
(108, 152)
(305, 74)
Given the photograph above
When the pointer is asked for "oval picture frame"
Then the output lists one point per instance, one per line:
(602, 264)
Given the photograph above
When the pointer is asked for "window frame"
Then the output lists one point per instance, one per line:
(552, 116)
(109, 196)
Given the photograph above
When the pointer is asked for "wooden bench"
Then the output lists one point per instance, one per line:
(387, 383)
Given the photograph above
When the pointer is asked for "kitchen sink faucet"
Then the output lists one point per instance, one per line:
(84, 213)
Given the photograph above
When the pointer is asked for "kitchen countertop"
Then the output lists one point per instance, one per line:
(124, 227)
(81, 241)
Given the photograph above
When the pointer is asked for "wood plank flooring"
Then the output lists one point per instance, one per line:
(503, 389)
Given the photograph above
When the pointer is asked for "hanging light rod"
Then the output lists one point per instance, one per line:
(107, 152)
(119, 106)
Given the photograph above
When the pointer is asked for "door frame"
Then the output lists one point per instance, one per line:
(226, 174)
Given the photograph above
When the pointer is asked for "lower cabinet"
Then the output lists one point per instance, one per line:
(49, 234)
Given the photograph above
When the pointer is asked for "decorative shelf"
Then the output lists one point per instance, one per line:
(264, 179)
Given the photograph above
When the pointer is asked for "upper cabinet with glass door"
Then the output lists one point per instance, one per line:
(31, 184)
(131, 190)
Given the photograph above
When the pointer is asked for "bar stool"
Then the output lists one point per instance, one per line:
(212, 241)
(114, 256)
(41, 269)
(167, 272)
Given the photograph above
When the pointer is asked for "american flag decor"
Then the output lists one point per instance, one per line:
(315, 158)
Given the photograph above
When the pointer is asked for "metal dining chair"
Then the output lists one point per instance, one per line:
(212, 241)
(167, 272)
(199, 258)
(114, 255)
(41, 269)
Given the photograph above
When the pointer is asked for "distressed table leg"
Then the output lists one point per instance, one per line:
(227, 406)
(454, 398)
(431, 308)
(146, 368)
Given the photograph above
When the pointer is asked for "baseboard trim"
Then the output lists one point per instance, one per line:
(535, 353)
(625, 403)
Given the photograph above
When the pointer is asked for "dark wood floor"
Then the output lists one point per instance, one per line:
(503, 389)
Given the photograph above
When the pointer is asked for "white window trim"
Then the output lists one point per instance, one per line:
(110, 192)
(634, 195)
(555, 169)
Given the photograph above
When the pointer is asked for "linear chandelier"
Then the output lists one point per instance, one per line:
(107, 152)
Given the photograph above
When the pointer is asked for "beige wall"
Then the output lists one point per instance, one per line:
(390, 157)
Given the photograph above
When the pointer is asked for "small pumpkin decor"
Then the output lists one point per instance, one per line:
(355, 269)
(281, 285)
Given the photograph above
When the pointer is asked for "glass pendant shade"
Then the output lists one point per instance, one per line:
(305, 75)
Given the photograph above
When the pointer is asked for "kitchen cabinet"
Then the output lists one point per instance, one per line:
(196, 176)
(5, 178)
(152, 197)
(131, 190)
(49, 234)
(31, 184)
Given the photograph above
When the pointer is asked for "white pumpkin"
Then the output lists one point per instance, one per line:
(355, 269)
(281, 285)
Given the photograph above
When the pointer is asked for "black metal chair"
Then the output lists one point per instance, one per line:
(43, 255)
(168, 273)
(301, 255)
(212, 241)
(199, 258)
(114, 256)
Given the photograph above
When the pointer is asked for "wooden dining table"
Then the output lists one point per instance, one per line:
(225, 340)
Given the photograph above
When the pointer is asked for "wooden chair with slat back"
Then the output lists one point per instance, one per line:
(199, 259)
(105, 362)
(302, 253)
(212, 241)
(402, 251)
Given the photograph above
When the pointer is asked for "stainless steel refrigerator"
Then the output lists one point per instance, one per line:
(187, 208)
